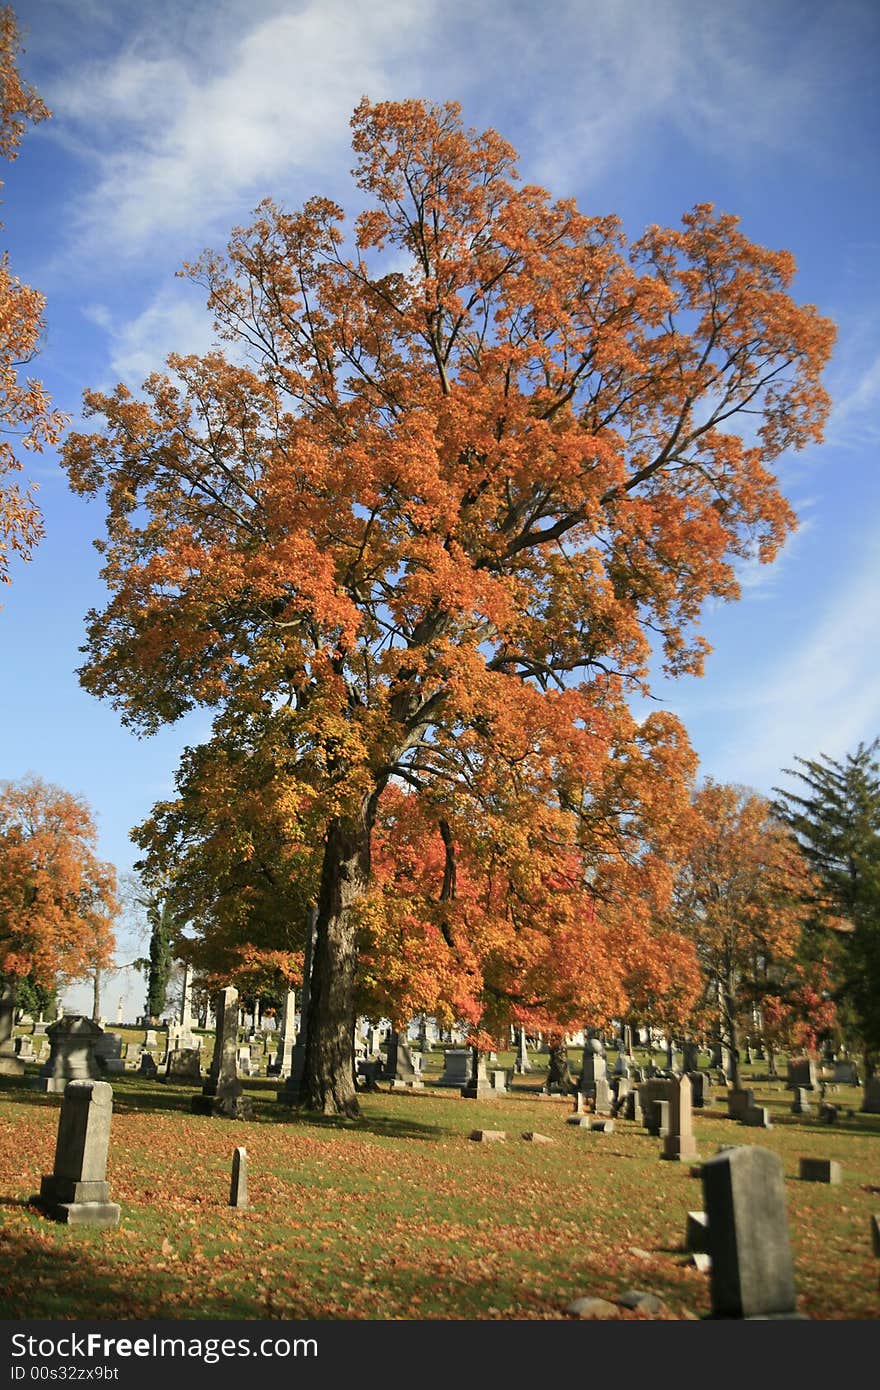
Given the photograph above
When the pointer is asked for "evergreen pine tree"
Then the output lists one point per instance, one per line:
(836, 818)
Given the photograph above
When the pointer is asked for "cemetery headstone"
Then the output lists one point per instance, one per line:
(184, 1064)
(802, 1072)
(222, 1092)
(679, 1143)
(76, 1192)
(820, 1170)
(752, 1274)
(801, 1103)
(238, 1190)
(72, 1042)
(10, 1065)
(456, 1067)
(478, 1086)
(291, 1092)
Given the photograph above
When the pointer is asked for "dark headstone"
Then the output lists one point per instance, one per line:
(752, 1274)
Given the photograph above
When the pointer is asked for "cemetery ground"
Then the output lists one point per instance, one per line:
(400, 1215)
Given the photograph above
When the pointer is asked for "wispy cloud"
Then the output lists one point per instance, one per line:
(195, 142)
(175, 320)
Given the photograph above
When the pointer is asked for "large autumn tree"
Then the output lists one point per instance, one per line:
(57, 899)
(739, 895)
(466, 468)
(26, 417)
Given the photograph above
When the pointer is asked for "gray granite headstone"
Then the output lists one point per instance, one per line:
(76, 1192)
(478, 1086)
(679, 1143)
(752, 1274)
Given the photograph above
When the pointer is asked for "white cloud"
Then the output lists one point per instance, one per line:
(195, 143)
(173, 321)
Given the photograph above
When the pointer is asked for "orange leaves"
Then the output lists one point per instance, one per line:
(57, 901)
(25, 409)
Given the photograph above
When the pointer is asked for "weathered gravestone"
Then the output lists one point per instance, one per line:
(654, 1098)
(222, 1093)
(284, 1055)
(522, 1064)
(148, 1065)
(402, 1066)
(803, 1073)
(184, 1064)
(76, 1192)
(752, 1274)
(701, 1089)
(846, 1074)
(820, 1170)
(456, 1067)
(478, 1086)
(72, 1041)
(24, 1049)
(690, 1057)
(108, 1053)
(10, 1065)
(238, 1189)
(679, 1142)
(801, 1103)
(292, 1092)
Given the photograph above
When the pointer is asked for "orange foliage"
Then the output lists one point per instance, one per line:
(742, 895)
(57, 900)
(24, 406)
(483, 454)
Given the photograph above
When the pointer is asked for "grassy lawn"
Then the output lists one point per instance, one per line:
(398, 1215)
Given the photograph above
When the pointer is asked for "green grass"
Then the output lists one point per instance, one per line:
(398, 1215)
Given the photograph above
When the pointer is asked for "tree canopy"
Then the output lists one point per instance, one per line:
(463, 471)
(25, 410)
(57, 899)
(835, 814)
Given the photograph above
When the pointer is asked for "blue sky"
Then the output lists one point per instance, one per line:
(171, 120)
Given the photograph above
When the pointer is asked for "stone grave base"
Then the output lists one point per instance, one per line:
(76, 1203)
(482, 1090)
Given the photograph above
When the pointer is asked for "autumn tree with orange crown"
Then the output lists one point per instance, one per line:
(57, 899)
(467, 468)
(26, 415)
(741, 894)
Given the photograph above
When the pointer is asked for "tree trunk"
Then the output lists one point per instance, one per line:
(558, 1072)
(96, 995)
(345, 873)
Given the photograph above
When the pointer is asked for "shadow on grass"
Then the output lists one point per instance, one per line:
(158, 1097)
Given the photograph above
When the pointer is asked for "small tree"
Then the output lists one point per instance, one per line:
(739, 895)
(57, 899)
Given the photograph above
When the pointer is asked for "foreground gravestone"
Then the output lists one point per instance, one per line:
(76, 1192)
(402, 1067)
(752, 1275)
(72, 1041)
(10, 1064)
